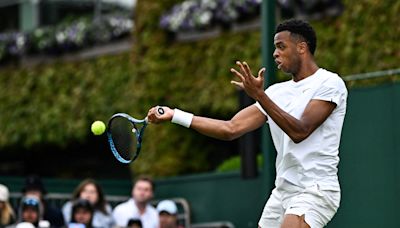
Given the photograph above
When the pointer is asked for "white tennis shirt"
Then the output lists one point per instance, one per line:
(128, 210)
(315, 159)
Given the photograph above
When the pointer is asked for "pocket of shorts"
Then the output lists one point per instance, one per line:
(330, 197)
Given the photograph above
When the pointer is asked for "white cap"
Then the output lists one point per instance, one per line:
(3, 193)
(25, 225)
(167, 206)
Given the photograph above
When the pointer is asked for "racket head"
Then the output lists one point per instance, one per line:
(124, 134)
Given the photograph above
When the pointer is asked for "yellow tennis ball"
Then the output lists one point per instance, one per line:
(98, 127)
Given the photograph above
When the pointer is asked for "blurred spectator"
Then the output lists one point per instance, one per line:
(34, 186)
(7, 215)
(89, 190)
(30, 211)
(135, 223)
(138, 206)
(82, 213)
(168, 213)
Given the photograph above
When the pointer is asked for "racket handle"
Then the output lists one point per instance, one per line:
(160, 110)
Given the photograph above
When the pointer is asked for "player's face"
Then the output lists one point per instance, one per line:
(89, 193)
(142, 191)
(286, 53)
(82, 216)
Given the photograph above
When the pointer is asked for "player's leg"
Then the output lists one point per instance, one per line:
(310, 208)
(273, 212)
(294, 221)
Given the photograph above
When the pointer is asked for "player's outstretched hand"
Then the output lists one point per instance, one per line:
(160, 114)
(252, 85)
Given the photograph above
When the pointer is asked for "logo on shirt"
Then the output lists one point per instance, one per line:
(305, 90)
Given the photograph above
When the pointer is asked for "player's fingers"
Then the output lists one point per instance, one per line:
(247, 69)
(239, 75)
(152, 115)
(237, 84)
(242, 70)
(150, 118)
(150, 112)
(261, 73)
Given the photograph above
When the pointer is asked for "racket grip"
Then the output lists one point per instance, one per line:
(160, 110)
(182, 118)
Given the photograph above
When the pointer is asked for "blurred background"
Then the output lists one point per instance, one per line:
(64, 64)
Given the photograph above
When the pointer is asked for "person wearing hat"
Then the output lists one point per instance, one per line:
(34, 186)
(6, 212)
(168, 214)
(30, 214)
(82, 213)
(30, 211)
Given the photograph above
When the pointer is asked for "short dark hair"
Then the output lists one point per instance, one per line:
(146, 179)
(137, 222)
(302, 29)
(82, 203)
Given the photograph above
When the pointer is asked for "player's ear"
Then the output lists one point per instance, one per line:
(302, 47)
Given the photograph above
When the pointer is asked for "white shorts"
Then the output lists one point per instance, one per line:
(318, 206)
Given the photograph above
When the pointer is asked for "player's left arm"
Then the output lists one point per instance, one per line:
(315, 113)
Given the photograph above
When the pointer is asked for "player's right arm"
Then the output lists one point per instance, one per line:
(246, 120)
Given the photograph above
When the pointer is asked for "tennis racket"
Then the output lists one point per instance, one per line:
(125, 134)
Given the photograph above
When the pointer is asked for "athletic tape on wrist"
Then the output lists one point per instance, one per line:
(182, 118)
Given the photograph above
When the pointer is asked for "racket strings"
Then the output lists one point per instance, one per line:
(125, 136)
(125, 143)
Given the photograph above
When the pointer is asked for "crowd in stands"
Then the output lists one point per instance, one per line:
(87, 208)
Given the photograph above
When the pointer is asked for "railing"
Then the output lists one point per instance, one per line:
(371, 75)
(58, 199)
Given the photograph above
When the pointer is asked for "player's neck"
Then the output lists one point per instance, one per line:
(307, 69)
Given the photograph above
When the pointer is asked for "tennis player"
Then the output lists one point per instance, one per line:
(305, 117)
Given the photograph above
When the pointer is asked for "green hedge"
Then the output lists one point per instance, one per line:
(363, 39)
(234, 163)
(55, 104)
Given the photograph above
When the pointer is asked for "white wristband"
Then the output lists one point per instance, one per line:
(182, 118)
